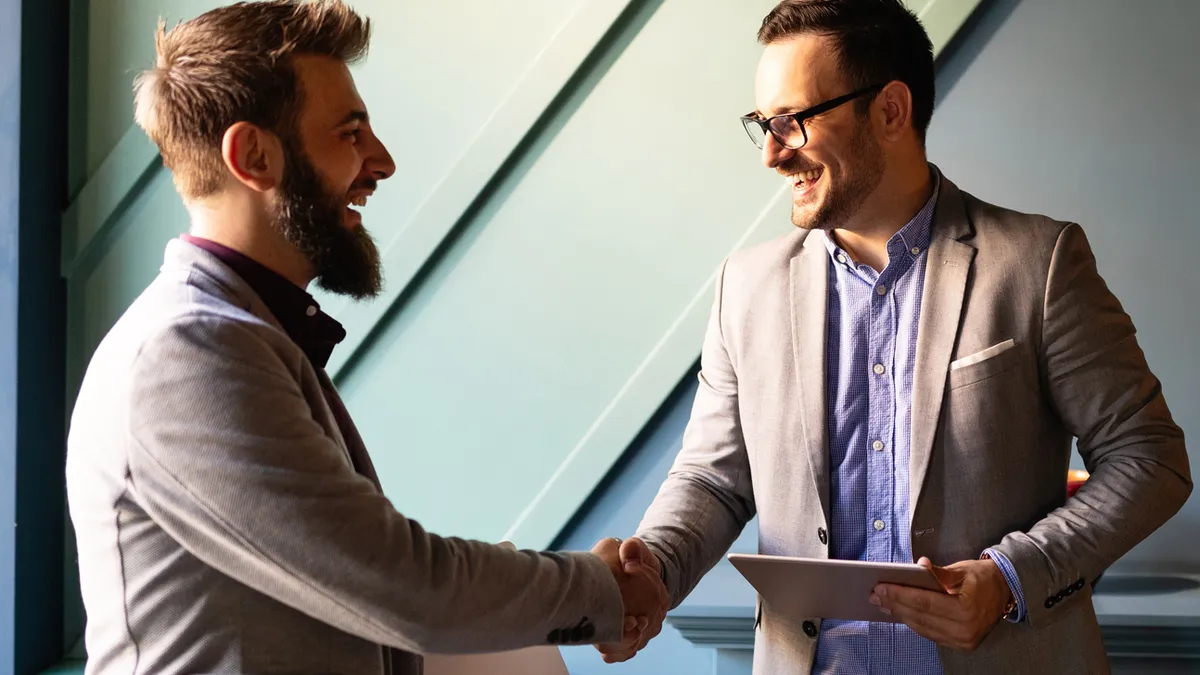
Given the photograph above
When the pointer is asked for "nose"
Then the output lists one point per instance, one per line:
(773, 153)
(379, 161)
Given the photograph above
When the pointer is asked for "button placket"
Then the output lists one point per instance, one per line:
(879, 465)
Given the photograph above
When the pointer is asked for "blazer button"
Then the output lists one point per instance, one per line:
(1050, 602)
(810, 629)
(822, 535)
(1070, 590)
(1080, 584)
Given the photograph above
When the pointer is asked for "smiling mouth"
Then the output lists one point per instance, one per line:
(359, 201)
(805, 179)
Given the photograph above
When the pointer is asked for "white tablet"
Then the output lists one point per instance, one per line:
(829, 589)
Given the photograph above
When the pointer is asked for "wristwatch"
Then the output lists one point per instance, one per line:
(1010, 610)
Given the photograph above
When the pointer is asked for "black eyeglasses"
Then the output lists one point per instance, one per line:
(788, 129)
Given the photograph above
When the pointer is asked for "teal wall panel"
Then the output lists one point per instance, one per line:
(550, 307)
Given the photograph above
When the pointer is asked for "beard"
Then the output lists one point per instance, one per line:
(843, 199)
(309, 215)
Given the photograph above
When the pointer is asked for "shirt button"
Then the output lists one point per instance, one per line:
(915, 250)
(878, 369)
(879, 525)
(881, 289)
(841, 258)
(311, 311)
(878, 445)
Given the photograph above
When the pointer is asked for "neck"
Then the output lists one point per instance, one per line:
(244, 225)
(893, 204)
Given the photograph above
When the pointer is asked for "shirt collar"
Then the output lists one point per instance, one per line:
(314, 331)
(912, 239)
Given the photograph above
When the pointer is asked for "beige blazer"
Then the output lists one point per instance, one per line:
(222, 527)
(1020, 347)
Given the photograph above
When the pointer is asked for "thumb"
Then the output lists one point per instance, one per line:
(951, 579)
(635, 555)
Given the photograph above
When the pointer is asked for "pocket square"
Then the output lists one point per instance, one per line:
(984, 355)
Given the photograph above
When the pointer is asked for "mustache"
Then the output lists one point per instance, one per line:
(364, 184)
(794, 167)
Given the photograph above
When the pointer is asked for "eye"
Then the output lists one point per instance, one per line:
(352, 134)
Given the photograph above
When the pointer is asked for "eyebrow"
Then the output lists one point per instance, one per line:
(355, 116)
(786, 110)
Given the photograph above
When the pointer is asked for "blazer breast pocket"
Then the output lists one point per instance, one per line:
(984, 364)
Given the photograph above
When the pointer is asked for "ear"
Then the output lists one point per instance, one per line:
(895, 102)
(253, 155)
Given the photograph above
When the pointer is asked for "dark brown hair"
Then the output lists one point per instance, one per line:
(234, 64)
(877, 41)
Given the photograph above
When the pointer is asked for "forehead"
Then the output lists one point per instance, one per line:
(329, 90)
(797, 73)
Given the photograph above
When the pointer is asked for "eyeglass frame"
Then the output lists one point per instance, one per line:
(801, 117)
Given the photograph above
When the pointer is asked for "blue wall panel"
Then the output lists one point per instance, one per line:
(10, 140)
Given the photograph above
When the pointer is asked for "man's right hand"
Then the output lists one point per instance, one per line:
(638, 575)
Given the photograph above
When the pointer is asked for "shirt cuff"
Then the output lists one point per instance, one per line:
(1014, 582)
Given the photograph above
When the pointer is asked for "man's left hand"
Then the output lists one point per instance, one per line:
(975, 598)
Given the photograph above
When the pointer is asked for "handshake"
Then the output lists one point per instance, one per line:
(639, 576)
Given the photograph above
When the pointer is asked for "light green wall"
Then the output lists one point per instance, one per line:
(570, 175)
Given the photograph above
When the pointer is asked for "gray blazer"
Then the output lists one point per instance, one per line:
(991, 431)
(222, 527)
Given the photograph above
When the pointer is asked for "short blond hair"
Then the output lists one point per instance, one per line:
(234, 64)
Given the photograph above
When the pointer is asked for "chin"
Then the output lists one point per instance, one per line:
(809, 217)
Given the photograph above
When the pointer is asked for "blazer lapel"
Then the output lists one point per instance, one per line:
(809, 298)
(946, 274)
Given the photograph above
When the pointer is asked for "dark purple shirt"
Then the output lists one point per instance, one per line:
(314, 331)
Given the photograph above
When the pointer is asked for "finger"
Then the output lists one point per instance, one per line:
(618, 657)
(951, 578)
(634, 554)
(932, 615)
(938, 630)
(892, 598)
(631, 623)
(648, 634)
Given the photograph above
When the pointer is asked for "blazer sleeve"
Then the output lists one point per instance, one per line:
(708, 496)
(1101, 387)
(226, 457)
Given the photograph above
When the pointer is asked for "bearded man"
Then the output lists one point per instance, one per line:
(227, 514)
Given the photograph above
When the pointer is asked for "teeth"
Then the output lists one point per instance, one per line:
(359, 201)
(804, 177)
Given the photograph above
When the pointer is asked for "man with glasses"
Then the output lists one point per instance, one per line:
(900, 379)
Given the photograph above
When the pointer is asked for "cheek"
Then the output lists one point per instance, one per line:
(339, 167)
